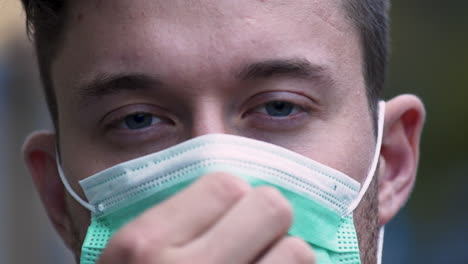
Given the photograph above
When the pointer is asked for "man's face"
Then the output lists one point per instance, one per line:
(135, 77)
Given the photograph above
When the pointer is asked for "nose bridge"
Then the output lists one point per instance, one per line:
(208, 117)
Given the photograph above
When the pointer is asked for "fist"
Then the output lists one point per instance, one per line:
(218, 219)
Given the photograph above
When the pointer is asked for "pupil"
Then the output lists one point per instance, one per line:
(278, 108)
(138, 121)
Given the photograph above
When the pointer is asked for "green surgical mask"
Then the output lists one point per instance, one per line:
(323, 199)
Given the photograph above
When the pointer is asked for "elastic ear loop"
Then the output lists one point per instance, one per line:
(69, 188)
(380, 244)
(375, 160)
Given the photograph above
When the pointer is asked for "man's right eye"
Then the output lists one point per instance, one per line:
(138, 121)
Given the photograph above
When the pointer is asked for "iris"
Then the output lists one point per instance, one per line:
(279, 108)
(139, 121)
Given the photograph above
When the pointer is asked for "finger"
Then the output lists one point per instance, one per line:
(289, 250)
(194, 210)
(177, 220)
(250, 227)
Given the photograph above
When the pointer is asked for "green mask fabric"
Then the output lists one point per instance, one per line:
(323, 199)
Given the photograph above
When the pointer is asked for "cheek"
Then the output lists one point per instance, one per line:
(357, 141)
(80, 220)
(81, 156)
(343, 148)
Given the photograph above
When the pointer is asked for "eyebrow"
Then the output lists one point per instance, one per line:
(103, 85)
(295, 67)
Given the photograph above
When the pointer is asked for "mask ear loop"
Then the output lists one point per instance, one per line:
(375, 160)
(380, 244)
(69, 188)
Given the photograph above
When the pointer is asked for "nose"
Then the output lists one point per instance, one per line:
(208, 117)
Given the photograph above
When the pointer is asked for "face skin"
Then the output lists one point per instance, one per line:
(191, 68)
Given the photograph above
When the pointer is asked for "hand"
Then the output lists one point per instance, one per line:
(218, 219)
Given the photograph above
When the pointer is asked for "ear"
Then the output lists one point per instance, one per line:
(404, 120)
(39, 155)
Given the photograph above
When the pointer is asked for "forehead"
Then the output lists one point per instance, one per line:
(199, 12)
(192, 36)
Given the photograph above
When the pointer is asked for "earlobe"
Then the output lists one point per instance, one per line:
(399, 158)
(39, 156)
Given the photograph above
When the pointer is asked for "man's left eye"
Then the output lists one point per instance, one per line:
(279, 109)
(139, 121)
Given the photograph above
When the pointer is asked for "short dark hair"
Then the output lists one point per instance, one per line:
(371, 19)
(47, 18)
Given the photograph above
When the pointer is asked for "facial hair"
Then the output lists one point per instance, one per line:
(366, 221)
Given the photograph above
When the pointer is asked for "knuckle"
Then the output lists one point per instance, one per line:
(171, 255)
(225, 187)
(132, 247)
(194, 259)
(198, 253)
(299, 250)
(276, 205)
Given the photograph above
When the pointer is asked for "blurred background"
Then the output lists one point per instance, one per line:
(429, 58)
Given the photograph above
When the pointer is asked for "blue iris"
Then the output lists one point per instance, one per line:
(279, 108)
(139, 121)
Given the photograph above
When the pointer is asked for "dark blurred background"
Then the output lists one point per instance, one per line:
(429, 59)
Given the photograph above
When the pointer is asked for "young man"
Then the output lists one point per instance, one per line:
(124, 79)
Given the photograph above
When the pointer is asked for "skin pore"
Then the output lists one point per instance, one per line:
(135, 77)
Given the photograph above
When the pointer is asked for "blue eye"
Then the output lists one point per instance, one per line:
(279, 108)
(140, 121)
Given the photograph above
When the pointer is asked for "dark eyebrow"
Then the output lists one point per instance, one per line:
(103, 85)
(296, 67)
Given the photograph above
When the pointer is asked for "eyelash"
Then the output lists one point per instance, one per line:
(256, 114)
(302, 104)
(297, 107)
(264, 121)
(116, 119)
